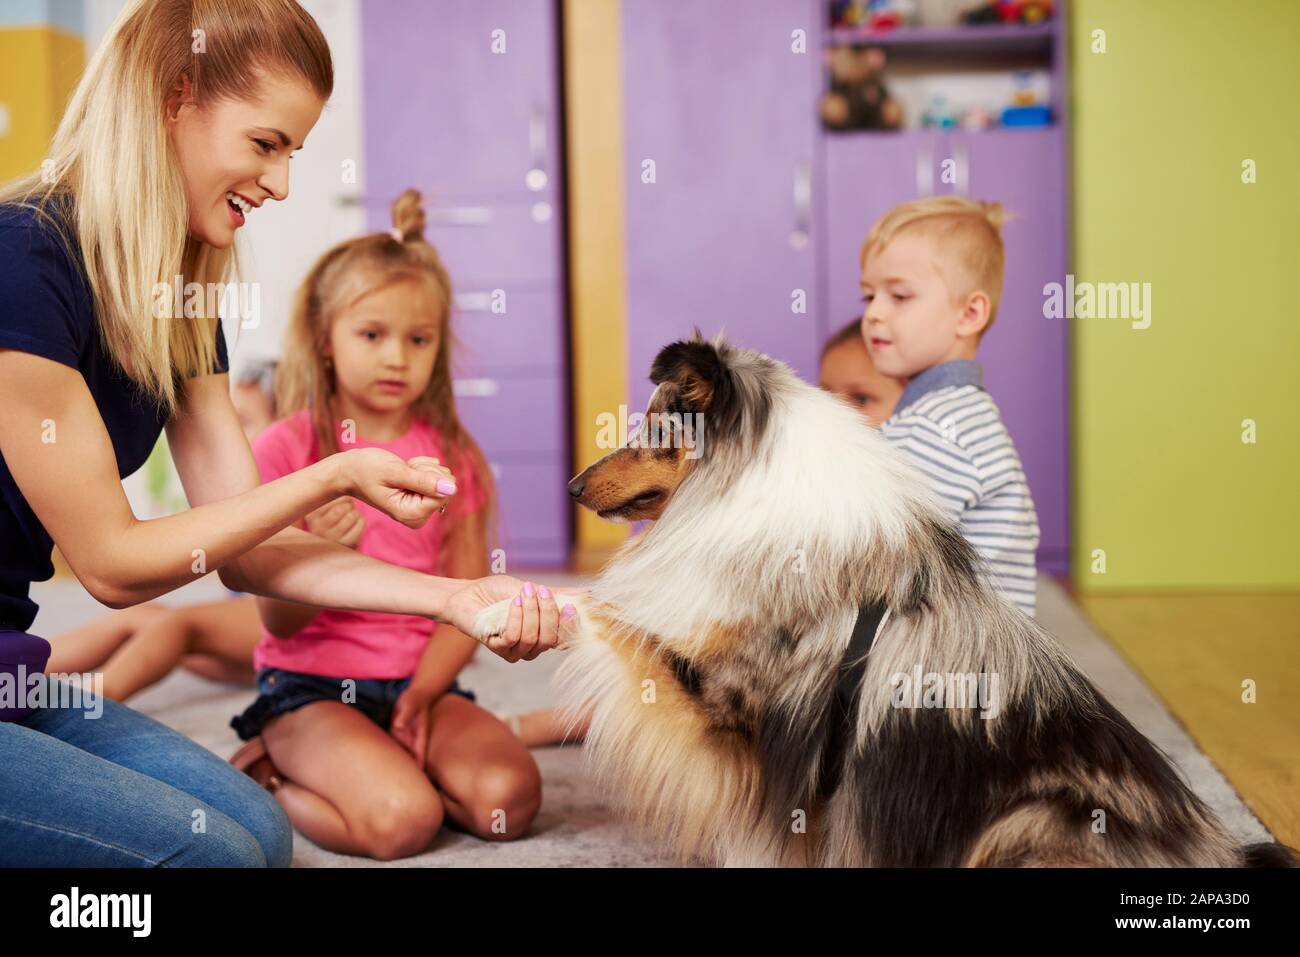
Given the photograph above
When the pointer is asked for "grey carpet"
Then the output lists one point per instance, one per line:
(574, 828)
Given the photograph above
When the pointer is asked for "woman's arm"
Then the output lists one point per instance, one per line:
(215, 462)
(55, 444)
(450, 649)
(339, 521)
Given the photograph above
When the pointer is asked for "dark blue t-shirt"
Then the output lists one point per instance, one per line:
(45, 309)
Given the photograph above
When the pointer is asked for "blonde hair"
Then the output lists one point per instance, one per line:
(338, 280)
(967, 238)
(111, 165)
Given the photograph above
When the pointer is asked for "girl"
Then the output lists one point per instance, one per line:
(367, 363)
(165, 150)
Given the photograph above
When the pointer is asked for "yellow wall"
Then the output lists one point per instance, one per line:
(1163, 120)
(39, 67)
(593, 45)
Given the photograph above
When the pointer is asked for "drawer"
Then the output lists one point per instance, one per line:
(490, 242)
(533, 506)
(514, 415)
(508, 327)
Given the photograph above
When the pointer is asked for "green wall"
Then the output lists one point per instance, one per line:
(1163, 120)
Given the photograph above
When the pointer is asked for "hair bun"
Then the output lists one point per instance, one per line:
(408, 215)
(996, 214)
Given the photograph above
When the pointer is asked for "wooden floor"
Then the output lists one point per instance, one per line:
(1201, 653)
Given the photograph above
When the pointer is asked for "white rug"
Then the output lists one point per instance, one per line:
(574, 828)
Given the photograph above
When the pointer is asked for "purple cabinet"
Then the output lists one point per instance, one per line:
(752, 201)
(461, 102)
(719, 153)
(469, 95)
(865, 176)
(1025, 356)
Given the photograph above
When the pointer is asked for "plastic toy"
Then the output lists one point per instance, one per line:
(1010, 11)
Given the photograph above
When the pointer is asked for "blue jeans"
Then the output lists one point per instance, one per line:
(123, 790)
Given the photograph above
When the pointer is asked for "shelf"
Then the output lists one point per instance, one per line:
(992, 40)
(919, 134)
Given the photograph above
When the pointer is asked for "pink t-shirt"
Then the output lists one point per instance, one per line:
(363, 644)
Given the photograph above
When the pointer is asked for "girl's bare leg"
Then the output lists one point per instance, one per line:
(348, 785)
(225, 630)
(489, 783)
(87, 647)
(550, 726)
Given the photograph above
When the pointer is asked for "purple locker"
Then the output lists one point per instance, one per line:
(717, 98)
(866, 175)
(479, 242)
(528, 337)
(511, 415)
(469, 96)
(461, 102)
(1026, 356)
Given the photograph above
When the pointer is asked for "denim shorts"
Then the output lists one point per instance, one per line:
(283, 691)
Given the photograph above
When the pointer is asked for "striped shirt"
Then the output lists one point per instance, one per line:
(952, 431)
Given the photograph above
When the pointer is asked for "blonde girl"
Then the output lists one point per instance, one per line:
(367, 740)
(167, 148)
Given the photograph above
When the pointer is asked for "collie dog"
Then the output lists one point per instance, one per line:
(736, 717)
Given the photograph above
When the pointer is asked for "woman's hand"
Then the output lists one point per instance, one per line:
(535, 624)
(339, 521)
(410, 724)
(407, 491)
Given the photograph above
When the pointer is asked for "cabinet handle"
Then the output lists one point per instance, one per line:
(475, 388)
(925, 169)
(458, 215)
(535, 179)
(474, 301)
(435, 215)
(802, 204)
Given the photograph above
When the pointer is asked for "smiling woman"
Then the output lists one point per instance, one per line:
(167, 144)
(234, 155)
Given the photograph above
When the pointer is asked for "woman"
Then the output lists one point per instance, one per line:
(182, 125)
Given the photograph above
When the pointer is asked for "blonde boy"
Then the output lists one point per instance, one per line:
(931, 280)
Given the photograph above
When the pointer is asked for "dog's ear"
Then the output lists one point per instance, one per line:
(696, 370)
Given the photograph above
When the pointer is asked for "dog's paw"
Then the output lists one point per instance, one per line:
(492, 620)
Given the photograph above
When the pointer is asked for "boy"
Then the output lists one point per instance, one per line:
(931, 279)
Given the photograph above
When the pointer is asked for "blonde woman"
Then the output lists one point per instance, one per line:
(182, 125)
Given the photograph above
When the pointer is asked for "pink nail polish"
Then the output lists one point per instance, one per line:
(518, 600)
(568, 611)
(446, 486)
(543, 591)
(528, 589)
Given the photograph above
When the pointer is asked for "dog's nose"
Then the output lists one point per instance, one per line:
(576, 485)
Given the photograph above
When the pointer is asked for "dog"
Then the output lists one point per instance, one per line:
(735, 713)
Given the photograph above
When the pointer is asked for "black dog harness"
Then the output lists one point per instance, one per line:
(843, 704)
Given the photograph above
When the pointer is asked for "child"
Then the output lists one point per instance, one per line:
(847, 370)
(367, 741)
(931, 279)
